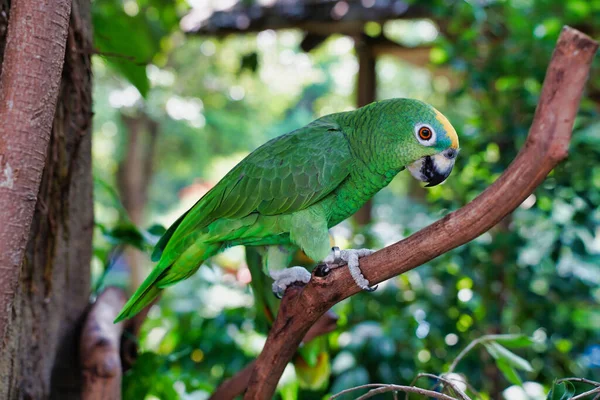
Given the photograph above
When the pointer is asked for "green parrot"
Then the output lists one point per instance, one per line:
(287, 193)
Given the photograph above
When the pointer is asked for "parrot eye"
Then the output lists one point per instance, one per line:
(425, 134)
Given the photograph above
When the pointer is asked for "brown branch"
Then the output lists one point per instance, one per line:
(547, 144)
(99, 347)
(234, 386)
(237, 384)
(319, 17)
(29, 86)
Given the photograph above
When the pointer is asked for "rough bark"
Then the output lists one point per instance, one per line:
(4, 10)
(100, 347)
(44, 285)
(546, 145)
(29, 86)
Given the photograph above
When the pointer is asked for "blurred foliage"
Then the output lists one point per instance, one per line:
(535, 274)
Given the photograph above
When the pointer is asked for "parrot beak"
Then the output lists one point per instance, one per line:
(434, 169)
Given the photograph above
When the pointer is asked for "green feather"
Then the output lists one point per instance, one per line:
(280, 177)
(160, 246)
(296, 186)
(143, 296)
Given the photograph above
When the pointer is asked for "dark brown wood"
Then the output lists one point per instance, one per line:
(234, 386)
(99, 347)
(4, 12)
(39, 353)
(318, 17)
(29, 87)
(546, 145)
(237, 384)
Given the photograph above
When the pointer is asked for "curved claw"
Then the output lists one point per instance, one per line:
(371, 289)
(337, 254)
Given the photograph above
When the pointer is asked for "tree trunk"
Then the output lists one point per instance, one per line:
(366, 92)
(39, 352)
(133, 177)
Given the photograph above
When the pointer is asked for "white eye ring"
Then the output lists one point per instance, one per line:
(420, 134)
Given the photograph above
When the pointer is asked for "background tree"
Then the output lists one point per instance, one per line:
(45, 195)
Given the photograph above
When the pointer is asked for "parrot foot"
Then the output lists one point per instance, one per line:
(338, 258)
(286, 277)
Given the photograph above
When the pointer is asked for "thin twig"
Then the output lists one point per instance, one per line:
(579, 380)
(463, 353)
(480, 340)
(443, 379)
(586, 394)
(384, 388)
(469, 386)
(416, 379)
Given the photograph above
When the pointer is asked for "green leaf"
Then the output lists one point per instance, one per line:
(310, 353)
(515, 341)
(249, 62)
(156, 230)
(589, 135)
(125, 233)
(501, 353)
(289, 391)
(561, 391)
(103, 187)
(509, 373)
(313, 377)
(127, 42)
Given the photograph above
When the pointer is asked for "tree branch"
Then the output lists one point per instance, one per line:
(29, 86)
(99, 347)
(237, 384)
(546, 145)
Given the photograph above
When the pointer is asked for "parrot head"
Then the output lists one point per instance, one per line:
(435, 133)
(418, 137)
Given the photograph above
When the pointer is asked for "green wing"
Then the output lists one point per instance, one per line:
(286, 174)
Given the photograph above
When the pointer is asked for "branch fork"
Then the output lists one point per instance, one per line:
(546, 145)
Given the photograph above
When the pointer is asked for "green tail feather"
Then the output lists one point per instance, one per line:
(162, 242)
(143, 295)
(167, 273)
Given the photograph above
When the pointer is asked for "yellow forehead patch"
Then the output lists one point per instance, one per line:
(448, 128)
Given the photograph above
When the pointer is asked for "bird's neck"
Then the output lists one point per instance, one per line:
(371, 170)
(367, 145)
(357, 189)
